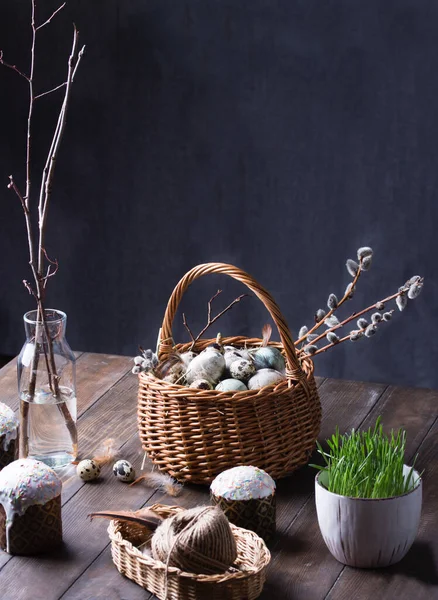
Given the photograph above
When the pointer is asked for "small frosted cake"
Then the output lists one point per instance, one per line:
(8, 435)
(247, 496)
(30, 508)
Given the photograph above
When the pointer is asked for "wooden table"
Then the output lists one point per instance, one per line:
(301, 568)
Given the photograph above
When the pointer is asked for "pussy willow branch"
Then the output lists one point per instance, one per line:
(353, 316)
(37, 264)
(344, 339)
(329, 314)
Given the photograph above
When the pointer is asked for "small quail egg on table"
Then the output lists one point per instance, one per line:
(88, 469)
(124, 471)
(231, 385)
(242, 369)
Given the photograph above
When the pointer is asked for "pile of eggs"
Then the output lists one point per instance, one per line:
(229, 369)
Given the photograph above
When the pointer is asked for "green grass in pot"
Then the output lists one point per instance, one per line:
(366, 464)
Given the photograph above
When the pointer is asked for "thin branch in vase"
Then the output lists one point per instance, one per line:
(51, 17)
(58, 87)
(50, 273)
(13, 186)
(37, 265)
(13, 67)
(30, 289)
(49, 169)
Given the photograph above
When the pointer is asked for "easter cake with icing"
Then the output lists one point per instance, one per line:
(30, 508)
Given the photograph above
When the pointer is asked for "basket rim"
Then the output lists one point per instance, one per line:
(289, 383)
(147, 561)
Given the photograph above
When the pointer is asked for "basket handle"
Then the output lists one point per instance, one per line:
(166, 341)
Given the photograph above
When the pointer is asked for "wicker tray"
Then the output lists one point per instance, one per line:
(195, 434)
(252, 561)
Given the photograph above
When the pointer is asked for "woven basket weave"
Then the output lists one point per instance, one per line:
(253, 558)
(195, 434)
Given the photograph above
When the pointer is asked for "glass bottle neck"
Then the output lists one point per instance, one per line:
(53, 327)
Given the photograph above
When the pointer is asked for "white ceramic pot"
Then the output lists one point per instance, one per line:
(368, 533)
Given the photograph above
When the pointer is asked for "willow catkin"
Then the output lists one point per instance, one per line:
(198, 540)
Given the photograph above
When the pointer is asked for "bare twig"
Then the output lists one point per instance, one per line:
(210, 302)
(13, 67)
(50, 273)
(51, 17)
(30, 289)
(49, 169)
(43, 336)
(80, 55)
(31, 104)
(13, 186)
(58, 87)
(211, 320)
(186, 325)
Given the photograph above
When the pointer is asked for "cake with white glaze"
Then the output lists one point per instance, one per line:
(8, 435)
(247, 496)
(30, 507)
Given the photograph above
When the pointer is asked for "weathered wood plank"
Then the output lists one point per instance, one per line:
(84, 568)
(84, 542)
(416, 576)
(96, 428)
(415, 410)
(319, 381)
(102, 580)
(292, 493)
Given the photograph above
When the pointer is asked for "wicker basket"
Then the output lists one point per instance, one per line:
(195, 434)
(252, 561)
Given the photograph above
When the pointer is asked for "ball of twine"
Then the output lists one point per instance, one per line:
(198, 540)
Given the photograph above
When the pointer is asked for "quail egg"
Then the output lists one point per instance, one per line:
(242, 369)
(88, 469)
(124, 471)
(265, 377)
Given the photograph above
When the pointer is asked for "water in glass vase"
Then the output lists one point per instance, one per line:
(52, 430)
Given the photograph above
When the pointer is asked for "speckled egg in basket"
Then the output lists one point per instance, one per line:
(247, 496)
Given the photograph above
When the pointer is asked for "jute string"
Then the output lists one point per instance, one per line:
(198, 540)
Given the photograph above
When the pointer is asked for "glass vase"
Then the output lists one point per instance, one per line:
(47, 390)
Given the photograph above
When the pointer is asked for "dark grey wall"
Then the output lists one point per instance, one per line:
(275, 135)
